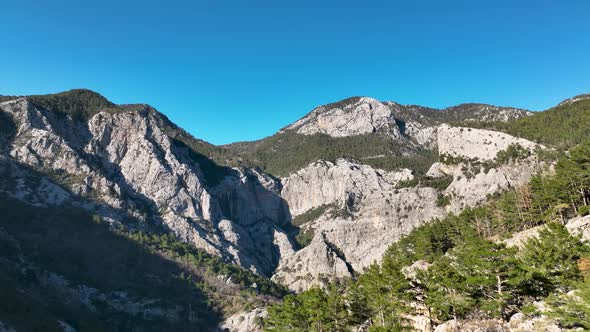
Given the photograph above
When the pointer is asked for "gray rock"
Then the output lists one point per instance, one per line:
(125, 161)
(365, 116)
(476, 143)
(249, 321)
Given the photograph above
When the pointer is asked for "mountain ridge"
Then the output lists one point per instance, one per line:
(301, 208)
(89, 101)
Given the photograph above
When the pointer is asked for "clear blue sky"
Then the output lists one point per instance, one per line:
(240, 70)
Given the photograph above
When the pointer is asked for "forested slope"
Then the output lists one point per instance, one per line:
(462, 270)
(64, 264)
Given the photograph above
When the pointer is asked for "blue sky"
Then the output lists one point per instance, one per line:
(240, 70)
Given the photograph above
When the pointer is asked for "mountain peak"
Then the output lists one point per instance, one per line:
(575, 99)
(79, 103)
(348, 117)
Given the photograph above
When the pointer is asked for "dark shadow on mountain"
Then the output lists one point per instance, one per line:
(69, 241)
(401, 124)
(68, 115)
(7, 131)
(212, 172)
(247, 203)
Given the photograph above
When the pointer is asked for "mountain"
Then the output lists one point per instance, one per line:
(384, 135)
(225, 228)
(562, 126)
(575, 99)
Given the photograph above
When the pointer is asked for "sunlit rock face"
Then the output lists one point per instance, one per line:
(125, 161)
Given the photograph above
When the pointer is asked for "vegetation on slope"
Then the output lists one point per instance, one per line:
(288, 152)
(467, 272)
(39, 247)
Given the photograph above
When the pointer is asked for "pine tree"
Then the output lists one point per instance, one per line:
(572, 310)
(358, 305)
(337, 313)
(550, 261)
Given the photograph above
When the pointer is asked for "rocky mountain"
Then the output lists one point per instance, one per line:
(125, 163)
(321, 200)
(384, 135)
(364, 211)
(362, 115)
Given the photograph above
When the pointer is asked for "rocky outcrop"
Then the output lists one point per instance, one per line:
(474, 112)
(523, 323)
(354, 116)
(575, 99)
(477, 144)
(250, 321)
(324, 182)
(471, 187)
(364, 115)
(578, 226)
(369, 213)
(127, 162)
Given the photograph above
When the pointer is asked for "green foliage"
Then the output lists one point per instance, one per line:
(431, 241)
(22, 311)
(561, 195)
(80, 104)
(478, 275)
(190, 256)
(312, 214)
(572, 311)
(455, 160)
(550, 261)
(438, 183)
(512, 153)
(584, 210)
(442, 200)
(288, 152)
(312, 310)
(304, 238)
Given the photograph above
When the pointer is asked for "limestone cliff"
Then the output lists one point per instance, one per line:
(125, 161)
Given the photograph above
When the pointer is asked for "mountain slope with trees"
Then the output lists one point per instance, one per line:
(467, 273)
(151, 220)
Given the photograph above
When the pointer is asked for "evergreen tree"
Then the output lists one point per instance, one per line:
(572, 310)
(550, 261)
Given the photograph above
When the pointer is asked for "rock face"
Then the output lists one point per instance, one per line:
(125, 161)
(473, 188)
(244, 321)
(368, 212)
(575, 99)
(476, 143)
(481, 112)
(364, 115)
(124, 165)
(324, 182)
(355, 117)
